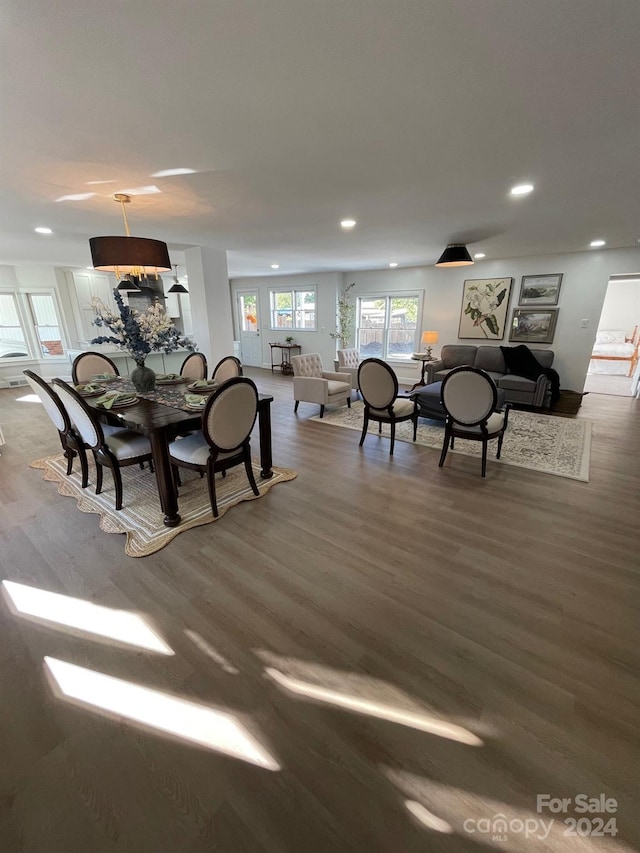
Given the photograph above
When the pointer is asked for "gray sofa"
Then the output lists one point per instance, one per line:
(517, 389)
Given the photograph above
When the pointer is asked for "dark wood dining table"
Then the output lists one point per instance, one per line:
(161, 416)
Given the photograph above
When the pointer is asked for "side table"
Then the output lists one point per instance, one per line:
(285, 357)
(425, 359)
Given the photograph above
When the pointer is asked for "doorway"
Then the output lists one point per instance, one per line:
(248, 314)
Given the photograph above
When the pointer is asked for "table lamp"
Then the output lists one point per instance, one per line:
(429, 338)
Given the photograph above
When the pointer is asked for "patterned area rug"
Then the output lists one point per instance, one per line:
(539, 442)
(141, 517)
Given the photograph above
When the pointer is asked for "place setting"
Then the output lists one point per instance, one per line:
(195, 402)
(105, 377)
(169, 379)
(203, 386)
(89, 389)
(116, 400)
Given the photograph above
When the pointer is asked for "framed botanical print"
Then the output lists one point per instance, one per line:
(540, 289)
(484, 308)
(531, 325)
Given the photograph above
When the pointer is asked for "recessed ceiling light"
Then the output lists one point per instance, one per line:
(594, 243)
(165, 173)
(88, 268)
(275, 266)
(522, 189)
(42, 230)
(347, 223)
(393, 265)
(94, 183)
(141, 190)
(75, 197)
(479, 255)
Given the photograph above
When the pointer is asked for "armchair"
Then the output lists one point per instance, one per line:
(348, 361)
(312, 384)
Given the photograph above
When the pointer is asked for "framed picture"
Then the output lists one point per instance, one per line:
(531, 325)
(484, 308)
(540, 289)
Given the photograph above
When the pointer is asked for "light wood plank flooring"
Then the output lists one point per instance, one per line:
(507, 607)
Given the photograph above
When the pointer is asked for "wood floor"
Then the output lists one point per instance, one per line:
(391, 633)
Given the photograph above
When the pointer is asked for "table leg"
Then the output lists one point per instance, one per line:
(164, 477)
(264, 426)
(421, 383)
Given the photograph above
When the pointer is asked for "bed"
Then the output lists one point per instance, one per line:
(615, 352)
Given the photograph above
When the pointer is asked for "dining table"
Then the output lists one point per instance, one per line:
(163, 414)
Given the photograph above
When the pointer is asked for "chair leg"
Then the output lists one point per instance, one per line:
(364, 430)
(380, 427)
(69, 454)
(117, 482)
(98, 477)
(445, 447)
(415, 427)
(151, 468)
(484, 458)
(322, 410)
(295, 408)
(249, 469)
(211, 482)
(141, 464)
(499, 446)
(348, 402)
(84, 467)
(393, 437)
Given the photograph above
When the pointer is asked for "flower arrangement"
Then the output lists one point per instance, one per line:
(483, 300)
(139, 333)
(346, 313)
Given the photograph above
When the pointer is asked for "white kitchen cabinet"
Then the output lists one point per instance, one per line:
(88, 286)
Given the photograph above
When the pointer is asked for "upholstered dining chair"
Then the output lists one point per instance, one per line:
(115, 447)
(227, 368)
(194, 367)
(72, 445)
(348, 361)
(470, 399)
(312, 384)
(379, 389)
(88, 364)
(224, 441)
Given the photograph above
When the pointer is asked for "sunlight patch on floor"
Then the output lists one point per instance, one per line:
(29, 398)
(190, 721)
(427, 818)
(107, 622)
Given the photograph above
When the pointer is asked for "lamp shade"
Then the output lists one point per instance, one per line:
(129, 284)
(455, 255)
(429, 338)
(177, 288)
(137, 255)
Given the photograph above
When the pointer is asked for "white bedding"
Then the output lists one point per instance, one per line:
(621, 350)
(612, 368)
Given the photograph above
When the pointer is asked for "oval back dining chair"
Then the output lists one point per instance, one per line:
(71, 444)
(470, 399)
(378, 386)
(89, 364)
(114, 448)
(194, 367)
(227, 368)
(224, 441)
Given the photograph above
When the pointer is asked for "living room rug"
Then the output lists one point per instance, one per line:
(544, 443)
(140, 518)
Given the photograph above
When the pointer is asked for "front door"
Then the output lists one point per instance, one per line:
(248, 314)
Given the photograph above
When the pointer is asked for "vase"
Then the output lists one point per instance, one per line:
(143, 378)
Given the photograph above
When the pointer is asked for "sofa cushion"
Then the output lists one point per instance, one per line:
(511, 382)
(491, 360)
(455, 355)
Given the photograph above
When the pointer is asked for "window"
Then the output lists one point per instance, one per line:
(387, 326)
(30, 326)
(293, 309)
(12, 339)
(45, 321)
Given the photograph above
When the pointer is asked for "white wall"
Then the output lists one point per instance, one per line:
(621, 309)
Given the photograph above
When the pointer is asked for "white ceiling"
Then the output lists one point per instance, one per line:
(414, 117)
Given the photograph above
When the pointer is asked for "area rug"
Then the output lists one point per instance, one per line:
(140, 518)
(542, 443)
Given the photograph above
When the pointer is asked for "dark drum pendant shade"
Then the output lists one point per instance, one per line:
(122, 255)
(177, 288)
(455, 255)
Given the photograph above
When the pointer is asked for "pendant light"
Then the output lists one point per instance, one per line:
(176, 287)
(129, 284)
(138, 256)
(455, 255)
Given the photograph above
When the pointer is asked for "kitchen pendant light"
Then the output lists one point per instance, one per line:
(455, 255)
(176, 287)
(129, 284)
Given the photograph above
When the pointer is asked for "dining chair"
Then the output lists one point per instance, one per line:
(115, 447)
(72, 445)
(312, 384)
(194, 367)
(379, 389)
(88, 364)
(470, 401)
(227, 368)
(224, 440)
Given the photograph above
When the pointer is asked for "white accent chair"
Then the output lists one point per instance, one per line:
(470, 399)
(379, 388)
(114, 448)
(224, 440)
(348, 361)
(312, 384)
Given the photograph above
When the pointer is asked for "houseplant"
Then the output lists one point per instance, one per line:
(346, 315)
(138, 333)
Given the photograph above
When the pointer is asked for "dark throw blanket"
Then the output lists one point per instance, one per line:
(521, 361)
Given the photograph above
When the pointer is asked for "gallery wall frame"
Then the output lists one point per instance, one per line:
(533, 325)
(485, 302)
(540, 289)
